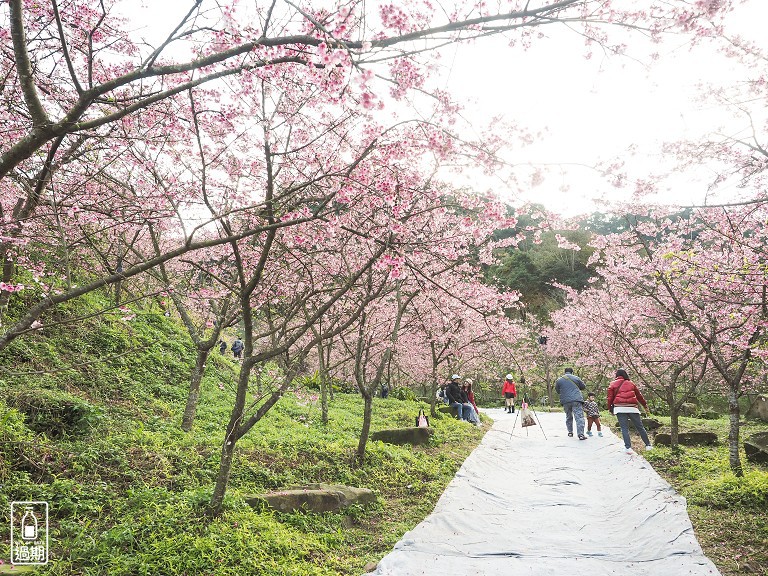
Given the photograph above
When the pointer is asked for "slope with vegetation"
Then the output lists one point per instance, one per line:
(91, 423)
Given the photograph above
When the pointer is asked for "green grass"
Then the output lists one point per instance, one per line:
(729, 514)
(127, 489)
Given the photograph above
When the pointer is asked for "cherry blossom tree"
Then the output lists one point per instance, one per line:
(80, 88)
(610, 326)
(706, 273)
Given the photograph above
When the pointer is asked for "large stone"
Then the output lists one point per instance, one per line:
(687, 438)
(688, 409)
(651, 424)
(756, 447)
(759, 409)
(314, 498)
(445, 409)
(402, 436)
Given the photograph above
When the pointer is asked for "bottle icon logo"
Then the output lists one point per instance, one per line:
(29, 525)
(29, 533)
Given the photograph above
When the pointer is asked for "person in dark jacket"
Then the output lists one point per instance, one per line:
(456, 399)
(569, 387)
(237, 348)
(625, 398)
(222, 346)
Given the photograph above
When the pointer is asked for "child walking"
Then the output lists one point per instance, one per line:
(593, 414)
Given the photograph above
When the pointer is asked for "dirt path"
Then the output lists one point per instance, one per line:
(525, 505)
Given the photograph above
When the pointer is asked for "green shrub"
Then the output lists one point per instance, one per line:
(404, 393)
(751, 491)
(53, 412)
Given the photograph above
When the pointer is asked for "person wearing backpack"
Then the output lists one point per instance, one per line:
(569, 387)
(237, 348)
(222, 346)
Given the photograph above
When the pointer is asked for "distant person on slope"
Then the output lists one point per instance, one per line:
(624, 397)
(222, 346)
(509, 392)
(569, 387)
(237, 348)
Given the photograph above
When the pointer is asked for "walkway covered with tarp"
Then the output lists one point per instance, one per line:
(523, 504)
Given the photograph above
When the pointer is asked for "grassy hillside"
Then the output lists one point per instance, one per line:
(89, 422)
(90, 418)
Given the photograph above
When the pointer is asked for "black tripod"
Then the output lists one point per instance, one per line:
(535, 415)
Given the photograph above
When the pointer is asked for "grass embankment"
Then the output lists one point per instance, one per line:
(729, 514)
(100, 442)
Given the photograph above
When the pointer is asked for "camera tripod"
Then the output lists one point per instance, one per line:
(526, 404)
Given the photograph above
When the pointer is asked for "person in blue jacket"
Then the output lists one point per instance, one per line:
(569, 387)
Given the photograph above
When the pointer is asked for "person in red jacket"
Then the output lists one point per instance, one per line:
(467, 388)
(624, 398)
(509, 392)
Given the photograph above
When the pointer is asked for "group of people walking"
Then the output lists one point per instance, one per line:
(237, 348)
(623, 398)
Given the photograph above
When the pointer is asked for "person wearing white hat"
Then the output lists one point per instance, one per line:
(509, 391)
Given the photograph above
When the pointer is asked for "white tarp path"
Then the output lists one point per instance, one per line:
(525, 505)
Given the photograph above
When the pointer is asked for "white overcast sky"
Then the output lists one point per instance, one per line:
(592, 110)
(588, 110)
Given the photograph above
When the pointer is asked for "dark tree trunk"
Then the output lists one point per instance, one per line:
(674, 425)
(225, 469)
(193, 396)
(364, 433)
(433, 398)
(734, 459)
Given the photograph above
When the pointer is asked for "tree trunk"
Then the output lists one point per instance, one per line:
(323, 385)
(5, 297)
(367, 411)
(674, 424)
(225, 469)
(233, 433)
(194, 389)
(550, 397)
(733, 436)
(433, 398)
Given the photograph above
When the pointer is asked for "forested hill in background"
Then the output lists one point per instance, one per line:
(537, 264)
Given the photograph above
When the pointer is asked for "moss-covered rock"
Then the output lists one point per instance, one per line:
(402, 436)
(314, 498)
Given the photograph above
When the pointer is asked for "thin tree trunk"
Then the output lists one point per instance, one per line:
(193, 396)
(232, 433)
(433, 399)
(323, 384)
(733, 436)
(225, 469)
(367, 412)
(674, 421)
